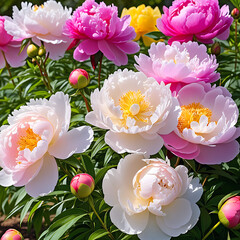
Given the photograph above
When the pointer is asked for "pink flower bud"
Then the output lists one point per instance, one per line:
(12, 234)
(82, 185)
(79, 78)
(235, 13)
(229, 213)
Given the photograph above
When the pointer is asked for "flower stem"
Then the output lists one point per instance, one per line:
(236, 49)
(99, 71)
(177, 162)
(8, 68)
(90, 200)
(211, 230)
(85, 100)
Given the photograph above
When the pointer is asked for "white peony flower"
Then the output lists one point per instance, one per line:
(41, 23)
(151, 199)
(136, 110)
(37, 133)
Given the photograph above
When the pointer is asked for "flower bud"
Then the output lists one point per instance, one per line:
(235, 13)
(79, 78)
(32, 51)
(41, 51)
(12, 234)
(82, 185)
(229, 213)
(216, 49)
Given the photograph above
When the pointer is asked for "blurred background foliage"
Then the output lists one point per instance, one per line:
(6, 5)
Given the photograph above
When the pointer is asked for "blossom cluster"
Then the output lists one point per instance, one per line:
(168, 101)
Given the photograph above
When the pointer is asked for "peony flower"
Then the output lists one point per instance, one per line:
(229, 213)
(202, 20)
(144, 20)
(42, 24)
(12, 234)
(98, 28)
(178, 64)
(206, 128)
(136, 110)
(82, 185)
(37, 133)
(10, 48)
(151, 199)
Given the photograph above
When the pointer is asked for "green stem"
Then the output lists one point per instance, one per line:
(46, 74)
(8, 68)
(211, 230)
(90, 200)
(99, 72)
(236, 50)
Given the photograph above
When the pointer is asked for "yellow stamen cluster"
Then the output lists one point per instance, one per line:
(35, 7)
(192, 112)
(29, 140)
(134, 105)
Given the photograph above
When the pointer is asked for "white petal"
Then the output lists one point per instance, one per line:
(110, 187)
(183, 172)
(6, 180)
(76, 140)
(133, 143)
(152, 231)
(46, 180)
(194, 191)
(133, 224)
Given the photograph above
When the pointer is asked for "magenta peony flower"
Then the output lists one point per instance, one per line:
(99, 28)
(206, 128)
(202, 19)
(229, 214)
(10, 48)
(178, 64)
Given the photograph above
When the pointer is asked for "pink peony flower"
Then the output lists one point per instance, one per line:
(42, 24)
(79, 78)
(200, 19)
(36, 135)
(229, 213)
(206, 128)
(98, 28)
(178, 64)
(10, 48)
(151, 199)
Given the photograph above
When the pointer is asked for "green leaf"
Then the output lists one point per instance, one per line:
(224, 199)
(205, 220)
(99, 144)
(24, 44)
(98, 234)
(25, 209)
(155, 35)
(35, 207)
(100, 174)
(236, 3)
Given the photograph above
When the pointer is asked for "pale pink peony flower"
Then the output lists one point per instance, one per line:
(151, 199)
(98, 28)
(200, 19)
(136, 110)
(10, 48)
(206, 128)
(41, 23)
(178, 64)
(37, 133)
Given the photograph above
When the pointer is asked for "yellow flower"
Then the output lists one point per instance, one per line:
(144, 20)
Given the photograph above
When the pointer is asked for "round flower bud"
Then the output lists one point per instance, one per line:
(216, 49)
(32, 51)
(41, 51)
(235, 13)
(229, 213)
(82, 185)
(12, 234)
(79, 78)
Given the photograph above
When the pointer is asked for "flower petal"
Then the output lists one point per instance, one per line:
(6, 180)
(76, 140)
(46, 180)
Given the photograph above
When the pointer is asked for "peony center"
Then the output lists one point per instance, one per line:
(29, 140)
(192, 112)
(134, 105)
(35, 7)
